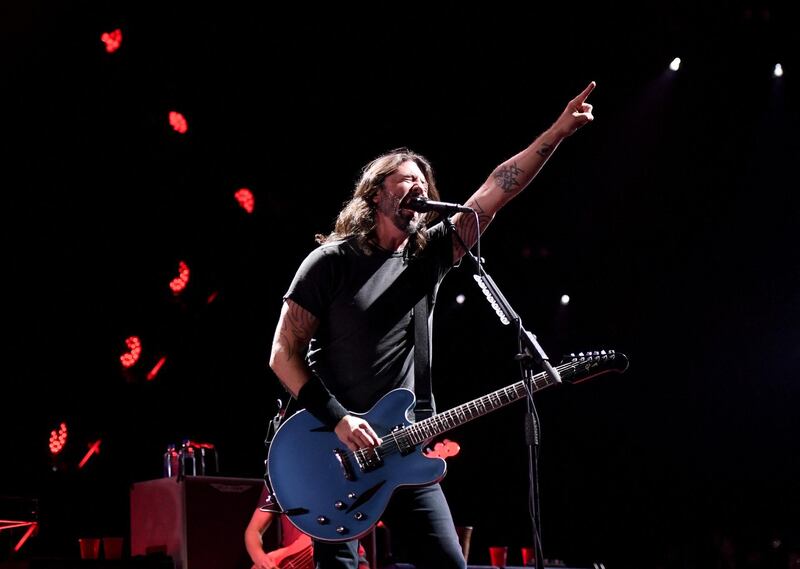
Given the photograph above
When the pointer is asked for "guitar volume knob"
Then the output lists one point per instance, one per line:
(341, 530)
(322, 520)
(352, 496)
(339, 505)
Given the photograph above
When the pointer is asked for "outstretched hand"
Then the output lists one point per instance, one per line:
(577, 113)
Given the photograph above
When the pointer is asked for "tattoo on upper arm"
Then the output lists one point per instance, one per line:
(467, 227)
(545, 150)
(506, 178)
(297, 327)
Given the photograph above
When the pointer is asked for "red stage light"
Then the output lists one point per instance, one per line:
(443, 449)
(58, 439)
(33, 527)
(246, 200)
(151, 375)
(112, 40)
(134, 351)
(94, 448)
(179, 283)
(178, 122)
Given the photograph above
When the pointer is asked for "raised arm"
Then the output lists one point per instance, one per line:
(513, 175)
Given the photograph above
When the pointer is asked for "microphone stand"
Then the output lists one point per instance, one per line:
(530, 354)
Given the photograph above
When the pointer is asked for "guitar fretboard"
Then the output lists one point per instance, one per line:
(442, 422)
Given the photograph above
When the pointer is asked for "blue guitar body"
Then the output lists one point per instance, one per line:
(333, 494)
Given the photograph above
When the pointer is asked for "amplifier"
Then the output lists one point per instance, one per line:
(199, 521)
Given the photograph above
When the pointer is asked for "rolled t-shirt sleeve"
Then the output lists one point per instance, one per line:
(311, 287)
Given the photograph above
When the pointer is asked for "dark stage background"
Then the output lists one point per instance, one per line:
(671, 222)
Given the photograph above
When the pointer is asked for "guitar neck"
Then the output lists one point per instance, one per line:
(447, 420)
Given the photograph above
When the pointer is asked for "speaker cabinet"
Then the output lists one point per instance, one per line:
(199, 521)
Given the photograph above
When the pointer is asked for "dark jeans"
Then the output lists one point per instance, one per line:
(419, 521)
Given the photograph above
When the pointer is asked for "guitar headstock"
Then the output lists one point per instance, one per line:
(579, 367)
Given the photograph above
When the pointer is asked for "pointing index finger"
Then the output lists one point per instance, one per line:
(585, 93)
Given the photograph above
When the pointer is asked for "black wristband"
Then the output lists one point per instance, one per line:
(318, 401)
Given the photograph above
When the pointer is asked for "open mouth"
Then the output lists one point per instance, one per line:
(402, 206)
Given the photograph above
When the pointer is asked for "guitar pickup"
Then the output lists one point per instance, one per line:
(368, 459)
(347, 469)
(402, 441)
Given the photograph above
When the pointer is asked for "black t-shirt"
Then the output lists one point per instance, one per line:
(363, 347)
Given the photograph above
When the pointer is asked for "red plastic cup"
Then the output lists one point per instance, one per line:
(527, 555)
(90, 547)
(498, 555)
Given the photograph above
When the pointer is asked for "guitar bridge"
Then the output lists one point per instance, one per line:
(347, 469)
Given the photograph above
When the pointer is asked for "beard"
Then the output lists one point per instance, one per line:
(406, 220)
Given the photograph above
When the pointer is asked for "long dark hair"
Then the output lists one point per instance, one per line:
(357, 218)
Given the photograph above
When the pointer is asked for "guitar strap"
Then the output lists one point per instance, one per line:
(422, 362)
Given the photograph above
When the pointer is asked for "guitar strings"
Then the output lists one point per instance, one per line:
(306, 556)
(390, 442)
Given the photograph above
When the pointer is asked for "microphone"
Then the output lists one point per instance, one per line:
(423, 205)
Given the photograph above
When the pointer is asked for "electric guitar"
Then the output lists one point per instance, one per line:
(297, 555)
(334, 494)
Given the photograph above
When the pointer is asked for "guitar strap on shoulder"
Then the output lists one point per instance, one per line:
(422, 362)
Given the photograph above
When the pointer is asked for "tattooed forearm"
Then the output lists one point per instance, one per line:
(545, 150)
(506, 178)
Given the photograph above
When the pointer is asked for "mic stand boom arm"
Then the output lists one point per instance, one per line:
(530, 353)
(530, 349)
